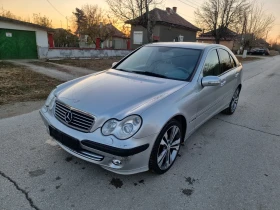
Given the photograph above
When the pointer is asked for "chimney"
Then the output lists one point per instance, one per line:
(175, 9)
(168, 9)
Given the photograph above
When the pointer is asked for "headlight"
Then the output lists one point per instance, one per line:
(123, 129)
(50, 98)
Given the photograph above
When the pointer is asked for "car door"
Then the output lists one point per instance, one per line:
(227, 76)
(207, 96)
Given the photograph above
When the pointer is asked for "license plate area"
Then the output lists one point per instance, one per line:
(64, 139)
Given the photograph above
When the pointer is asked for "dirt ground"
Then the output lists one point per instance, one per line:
(94, 64)
(18, 108)
(19, 84)
(50, 65)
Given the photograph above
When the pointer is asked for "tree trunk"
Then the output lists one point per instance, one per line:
(217, 36)
(149, 26)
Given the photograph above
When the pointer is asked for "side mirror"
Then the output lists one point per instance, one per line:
(115, 63)
(211, 81)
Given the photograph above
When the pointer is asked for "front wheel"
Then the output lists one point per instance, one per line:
(166, 147)
(233, 103)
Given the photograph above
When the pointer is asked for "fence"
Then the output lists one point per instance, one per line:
(54, 53)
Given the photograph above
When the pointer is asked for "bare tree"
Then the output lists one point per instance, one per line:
(126, 10)
(42, 20)
(65, 38)
(218, 15)
(37, 18)
(95, 22)
(257, 24)
(9, 14)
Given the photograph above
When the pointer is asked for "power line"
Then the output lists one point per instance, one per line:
(189, 17)
(194, 3)
(55, 8)
(187, 4)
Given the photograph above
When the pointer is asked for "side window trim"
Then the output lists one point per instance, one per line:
(215, 49)
(233, 60)
(229, 58)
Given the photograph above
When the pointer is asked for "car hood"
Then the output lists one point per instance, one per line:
(116, 94)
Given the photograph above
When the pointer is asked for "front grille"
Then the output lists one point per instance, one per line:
(73, 118)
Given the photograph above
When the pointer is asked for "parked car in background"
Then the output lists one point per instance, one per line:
(258, 51)
(135, 116)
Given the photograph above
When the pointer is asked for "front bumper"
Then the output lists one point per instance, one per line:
(132, 155)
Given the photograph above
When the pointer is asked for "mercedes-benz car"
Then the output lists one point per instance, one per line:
(135, 116)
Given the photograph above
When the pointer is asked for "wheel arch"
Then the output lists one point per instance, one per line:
(183, 122)
(181, 119)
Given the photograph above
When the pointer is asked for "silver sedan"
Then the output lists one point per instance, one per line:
(135, 116)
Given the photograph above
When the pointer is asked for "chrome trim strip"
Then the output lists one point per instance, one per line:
(85, 154)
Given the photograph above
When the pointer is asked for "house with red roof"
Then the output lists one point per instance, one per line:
(229, 39)
(168, 26)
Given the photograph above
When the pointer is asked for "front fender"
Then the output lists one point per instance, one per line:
(179, 103)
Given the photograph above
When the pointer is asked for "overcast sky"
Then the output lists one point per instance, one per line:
(25, 8)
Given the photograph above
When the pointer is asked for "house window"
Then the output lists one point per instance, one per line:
(138, 37)
(180, 38)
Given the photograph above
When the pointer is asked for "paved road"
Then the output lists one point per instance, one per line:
(231, 162)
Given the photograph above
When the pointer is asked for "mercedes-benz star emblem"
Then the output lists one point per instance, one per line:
(68, 116)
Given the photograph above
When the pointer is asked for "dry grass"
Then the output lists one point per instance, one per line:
(94, 64)
(248, 59)
(20, 84)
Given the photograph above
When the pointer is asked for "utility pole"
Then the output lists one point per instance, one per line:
(266, 35)
(149, 27)
(242, 41)
(67, 22)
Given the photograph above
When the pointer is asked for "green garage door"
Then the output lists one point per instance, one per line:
(15, 44)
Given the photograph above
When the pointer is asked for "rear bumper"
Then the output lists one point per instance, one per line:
(133, 153)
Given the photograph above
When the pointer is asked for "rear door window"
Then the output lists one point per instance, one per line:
(212, 65)
(225, 61)
(233, 64)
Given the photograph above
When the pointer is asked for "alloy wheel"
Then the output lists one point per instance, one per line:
(235, 99)
(169, 147)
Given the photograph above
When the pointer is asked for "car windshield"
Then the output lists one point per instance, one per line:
(165, 62)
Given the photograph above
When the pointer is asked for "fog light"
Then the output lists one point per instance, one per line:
(116, 162)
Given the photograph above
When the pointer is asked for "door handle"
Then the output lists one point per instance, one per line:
(223, 83)
(236, 75)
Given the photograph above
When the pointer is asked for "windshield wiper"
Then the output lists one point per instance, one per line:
(123, 70)
(148, 73)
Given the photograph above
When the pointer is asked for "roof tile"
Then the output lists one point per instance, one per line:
(163, 16)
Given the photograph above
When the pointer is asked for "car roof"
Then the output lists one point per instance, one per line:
(192, 45)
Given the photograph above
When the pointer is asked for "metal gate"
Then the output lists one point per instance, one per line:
(16, 44)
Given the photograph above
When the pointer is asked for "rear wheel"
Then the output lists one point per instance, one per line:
(166, 147)
(233, 103)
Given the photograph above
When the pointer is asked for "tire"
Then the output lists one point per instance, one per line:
(233, 103)
(159, 163)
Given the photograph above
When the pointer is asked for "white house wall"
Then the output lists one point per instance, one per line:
(55, 53)
(41, 35)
